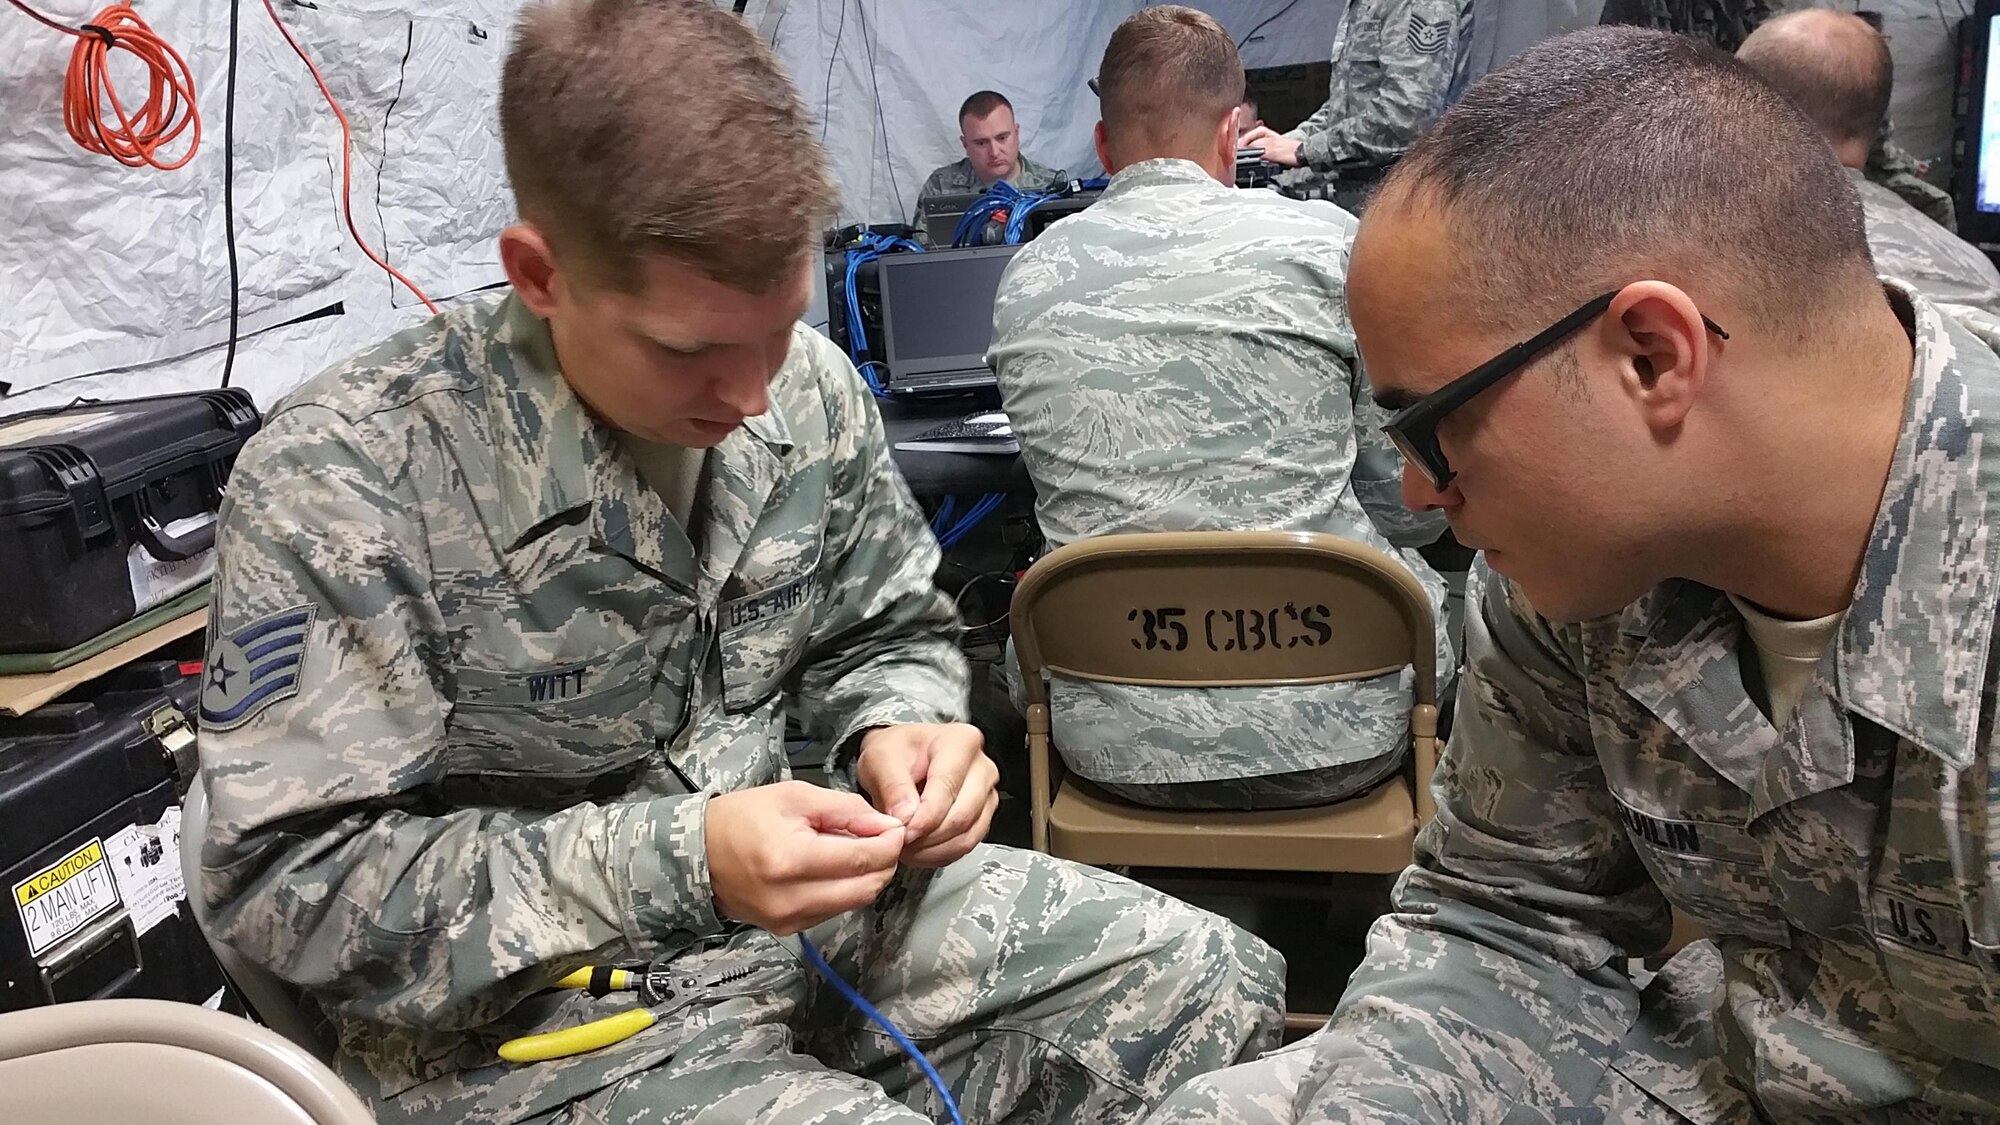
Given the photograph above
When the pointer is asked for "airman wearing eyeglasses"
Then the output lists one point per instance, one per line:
(1731, 651)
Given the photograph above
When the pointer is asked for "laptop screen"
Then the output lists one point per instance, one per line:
(937, 310)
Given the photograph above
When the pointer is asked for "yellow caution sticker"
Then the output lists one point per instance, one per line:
(66, 896)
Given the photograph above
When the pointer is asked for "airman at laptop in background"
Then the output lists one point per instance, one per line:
(992, 142)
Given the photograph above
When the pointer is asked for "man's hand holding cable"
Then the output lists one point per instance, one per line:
(936, 779)
(1278, 148)
(788, 856)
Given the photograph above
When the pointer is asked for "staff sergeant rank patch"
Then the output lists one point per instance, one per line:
(1428, 37)
(254, 667)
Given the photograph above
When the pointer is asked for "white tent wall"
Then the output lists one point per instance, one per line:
(115, 280)
(885, 77)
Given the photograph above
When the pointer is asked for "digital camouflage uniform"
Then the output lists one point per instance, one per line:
(1392, 68)
(1599, 772)
(470, 687)
(1909, 246)
(958, 178)
(1178, 358)
(1903, 174)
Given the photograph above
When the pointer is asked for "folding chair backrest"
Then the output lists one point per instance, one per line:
(163, 1063)
(1221, 609)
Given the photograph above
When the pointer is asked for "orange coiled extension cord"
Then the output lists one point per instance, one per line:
(134, 139)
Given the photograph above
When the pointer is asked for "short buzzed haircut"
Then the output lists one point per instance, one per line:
(635, 128)
(1616, 154)
(982, 103)
(1832, 65)
(1167, 72)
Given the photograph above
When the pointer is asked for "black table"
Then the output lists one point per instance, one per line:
(948, 474)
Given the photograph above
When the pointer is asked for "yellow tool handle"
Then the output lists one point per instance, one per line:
(579, 1039)
(621, 979)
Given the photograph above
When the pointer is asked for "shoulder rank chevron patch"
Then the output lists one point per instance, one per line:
(1428, 37)
(254, 667)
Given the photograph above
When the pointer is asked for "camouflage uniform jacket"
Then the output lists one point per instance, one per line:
(1393, 62)
(1178, 358)
(959, 178)
(1910, 247)
(470, 686)
(1847, 865)
(1903, 174)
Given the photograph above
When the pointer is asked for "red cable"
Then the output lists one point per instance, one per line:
(346, 161)
(167, 112)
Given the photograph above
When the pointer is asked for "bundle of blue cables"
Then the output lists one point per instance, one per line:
(1018, 204)
(867, 247)
(951, 533)
(1002, 196)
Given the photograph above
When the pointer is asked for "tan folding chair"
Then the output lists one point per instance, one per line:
(162, 1063)
(1162, 610)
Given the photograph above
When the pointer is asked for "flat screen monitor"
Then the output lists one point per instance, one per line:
(1977, 179)
(1987, 196)
(1047, 213)
(937, 316)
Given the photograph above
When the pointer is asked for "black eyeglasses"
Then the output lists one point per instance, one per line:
(1414, 428)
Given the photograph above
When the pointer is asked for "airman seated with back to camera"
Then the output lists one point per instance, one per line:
(1730, 652)
(516, 603)
(1837, 70)
(1178, 358)
(991, 138)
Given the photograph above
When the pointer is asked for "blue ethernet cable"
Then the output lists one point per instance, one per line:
(861, 1003)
